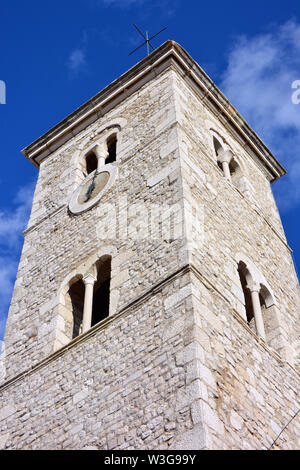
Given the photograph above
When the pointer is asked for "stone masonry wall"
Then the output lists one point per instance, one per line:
(234, 225)
(249, 392)
(248, 395)
(175, 365)
(196, 120)
(122, 387)
(177, 371)
(56, 243)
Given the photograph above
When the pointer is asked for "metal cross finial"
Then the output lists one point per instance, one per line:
(147, 39)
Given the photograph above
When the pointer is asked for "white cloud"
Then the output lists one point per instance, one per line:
(258, 81)
(12, 222)
(8, 268)
(76, 60)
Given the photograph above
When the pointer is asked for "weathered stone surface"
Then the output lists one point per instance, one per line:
(175, 365)
(7, 411)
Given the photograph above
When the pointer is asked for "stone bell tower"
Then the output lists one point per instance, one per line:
(156, 302)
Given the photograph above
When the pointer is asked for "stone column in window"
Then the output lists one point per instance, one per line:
(259, 324)
(102, 154)
(89, 281)
(225, 158)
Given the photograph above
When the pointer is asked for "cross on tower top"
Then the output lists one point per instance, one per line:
(147, 39)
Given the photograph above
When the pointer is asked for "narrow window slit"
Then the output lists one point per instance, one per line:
(101, 292)
(112, 149)
(91, 162)
(76, 296)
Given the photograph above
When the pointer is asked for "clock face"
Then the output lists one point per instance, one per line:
(93, 187)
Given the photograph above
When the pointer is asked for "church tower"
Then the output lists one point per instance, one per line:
(156, 302)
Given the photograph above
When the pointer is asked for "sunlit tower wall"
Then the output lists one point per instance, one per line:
(156, 302)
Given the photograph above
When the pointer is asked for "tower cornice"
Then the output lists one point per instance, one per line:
(168, 55)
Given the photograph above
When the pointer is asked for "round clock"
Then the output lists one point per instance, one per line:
(92, 188)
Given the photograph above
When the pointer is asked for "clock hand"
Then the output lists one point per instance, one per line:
(91, 187)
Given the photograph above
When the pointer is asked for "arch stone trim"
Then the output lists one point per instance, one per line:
(256, 274)
(88, 144)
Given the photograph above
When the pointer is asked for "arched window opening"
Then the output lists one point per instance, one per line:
(262, 299)
(243, 273)
(262, 313)
(217, 146)
(76, 299)
(271, 319)
(91, 162)
(220, 165)
(234, 168)
(112, 149)
(101, 291)
(84, 301)
(236, 175)
(224, 158)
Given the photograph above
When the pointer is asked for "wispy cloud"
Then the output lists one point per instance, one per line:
(12, 222)
(125, 3)
(76, 60)
(165, 7)
(258, 81)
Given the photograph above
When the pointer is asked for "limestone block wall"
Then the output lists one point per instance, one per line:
(123, 386)
(248, 394)
(234, 226)
(229, 236)
(176, 370)
(59, 245)
(199, 125)
(175, 364)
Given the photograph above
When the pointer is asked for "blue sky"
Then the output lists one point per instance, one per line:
(56, 55)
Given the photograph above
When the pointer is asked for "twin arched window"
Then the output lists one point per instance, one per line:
(87, 299)
(259, 307)
(231, 167)
(226, 161)
(100, 155)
